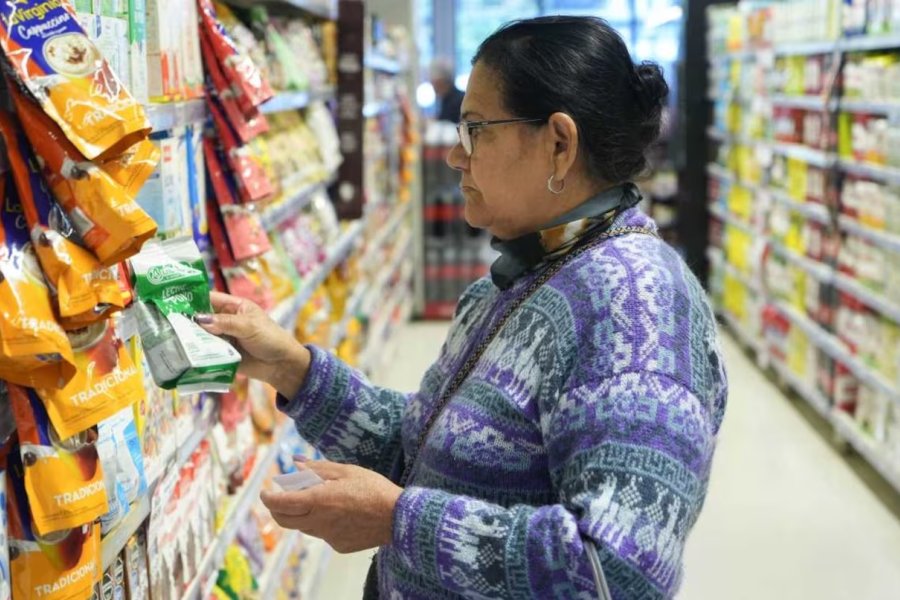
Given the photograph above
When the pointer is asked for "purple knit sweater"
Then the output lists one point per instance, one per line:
(593, 413)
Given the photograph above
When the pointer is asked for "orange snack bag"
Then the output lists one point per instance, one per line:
(33, 347)
(106, 382)
(133, 167)
(107, 219)
(85, 290)
(69, 77)
(63, 475)
(62, 565)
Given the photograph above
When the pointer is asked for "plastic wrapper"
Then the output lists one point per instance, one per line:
(137, 580)
(63, 475)
(171, 281)
(243, 224)
(107, 219)
(106, 382)
(245, 125)
(249, 170)
(247, 279)
(123, 462)
(70, 78)
(85, 291)
(250, 86)
(285, 72)
(133, 167)
(59, 566)
(5, 590)
(34, 349)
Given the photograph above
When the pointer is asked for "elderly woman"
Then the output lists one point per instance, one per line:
(561, 445)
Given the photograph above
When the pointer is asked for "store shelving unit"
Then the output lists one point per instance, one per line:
(285, 101)
(269, 580)
(827, 219)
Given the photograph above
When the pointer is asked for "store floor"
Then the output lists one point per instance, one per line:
(785, 519)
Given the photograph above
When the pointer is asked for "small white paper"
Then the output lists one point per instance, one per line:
(298, 480)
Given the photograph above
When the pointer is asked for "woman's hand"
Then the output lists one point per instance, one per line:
(268, 352)
(352, 511)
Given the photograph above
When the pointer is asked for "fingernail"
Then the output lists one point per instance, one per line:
(300, 458)
(202, 319)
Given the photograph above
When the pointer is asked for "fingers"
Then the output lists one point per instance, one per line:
(237, 326)
(294, 504)
(326, 469)
(226, 303)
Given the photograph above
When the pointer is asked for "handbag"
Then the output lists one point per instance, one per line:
(406, 467)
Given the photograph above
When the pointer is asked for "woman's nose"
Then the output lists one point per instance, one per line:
(457, 159)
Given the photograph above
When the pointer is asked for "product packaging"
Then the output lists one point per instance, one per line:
(70, 78)
(137, 53)
(191, 61)
(197, 187)
(106, 218)
(297, 481)
(249, 171)
(123, 462)
(250, 86)
(162, 60)
(171, 281)
(33, 347)
(5, 590)
(63, 475)
(137, 579)
(109, 34)
(106, 381)
(85, 291)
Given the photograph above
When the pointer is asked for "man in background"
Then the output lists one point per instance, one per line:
(449, 97)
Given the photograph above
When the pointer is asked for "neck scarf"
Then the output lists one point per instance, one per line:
(522, 254)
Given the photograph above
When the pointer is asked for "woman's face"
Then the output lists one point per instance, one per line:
(504, 182)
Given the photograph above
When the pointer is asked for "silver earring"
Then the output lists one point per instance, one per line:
(550, 185)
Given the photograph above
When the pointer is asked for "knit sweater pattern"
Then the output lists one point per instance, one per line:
(592, 414)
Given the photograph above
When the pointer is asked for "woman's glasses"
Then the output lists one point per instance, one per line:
(465, 129)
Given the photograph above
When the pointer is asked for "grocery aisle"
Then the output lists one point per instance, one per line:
(785, 518)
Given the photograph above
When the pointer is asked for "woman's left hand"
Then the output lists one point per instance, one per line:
(352, 511)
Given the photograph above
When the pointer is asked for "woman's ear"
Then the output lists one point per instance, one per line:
(563, 144)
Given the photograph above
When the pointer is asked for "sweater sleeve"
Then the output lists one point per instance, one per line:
(346, 417)
(629, 460)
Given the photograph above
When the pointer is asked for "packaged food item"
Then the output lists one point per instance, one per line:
(249, 171)
(134, 166)
(197, 187)
(107, 219)
(162, 83)
(137, 579)
(250, 87)
(60, 566)
(123, 462)
(246, 125)
(4, 541)
(113, 585)
(171, 281)
(63, 475)
(33, 347)
(70, 78)
(137, 52)
(85, 291)
(191, 60)
(284, 72)
(106, 382)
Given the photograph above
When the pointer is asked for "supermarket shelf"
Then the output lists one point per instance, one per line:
(885, 108)
(807, 48)
(883, 238)
(272, 218)
(754, 342)
(869, 42)
(379, 62)
(811, 102)
(323, 10)
(376, 109)
(286, 312)
(717, 259)
(838, 351)
(871, 299)
(810, 210)
(271, 576)
(354, 305)
(814, 157)
(318, 556)
(822, 272)
(387, 232)
(867, 447)
(811, 395)
(201, 587)
(726, 217)
(164, 116)
(286, 101)
(873, 171)
(115, 540)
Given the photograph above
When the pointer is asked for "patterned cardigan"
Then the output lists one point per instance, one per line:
(594, 412)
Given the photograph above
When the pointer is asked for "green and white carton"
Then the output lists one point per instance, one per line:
(172, 286)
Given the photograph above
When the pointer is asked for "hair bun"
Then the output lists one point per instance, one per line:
(652, 88)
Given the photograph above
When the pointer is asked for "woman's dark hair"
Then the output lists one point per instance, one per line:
(581, 66)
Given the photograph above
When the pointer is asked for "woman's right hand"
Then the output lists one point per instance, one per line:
(269, 353)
